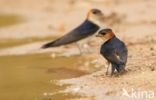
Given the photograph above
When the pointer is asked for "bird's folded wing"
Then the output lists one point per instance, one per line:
(115, 58)
(84, 30)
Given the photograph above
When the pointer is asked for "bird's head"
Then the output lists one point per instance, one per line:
(96, 16)
(105, 34)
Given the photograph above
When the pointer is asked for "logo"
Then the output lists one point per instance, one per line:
(138, 94)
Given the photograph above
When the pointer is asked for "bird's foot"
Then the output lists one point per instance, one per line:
(108, 73)
(123, 72)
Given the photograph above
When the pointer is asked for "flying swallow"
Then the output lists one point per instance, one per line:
(89, 27)
(113, 50)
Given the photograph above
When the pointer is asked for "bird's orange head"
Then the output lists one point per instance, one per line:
(106, 34)
(96, 16)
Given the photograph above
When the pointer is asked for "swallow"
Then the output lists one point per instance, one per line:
(113, 50)
(89, 27)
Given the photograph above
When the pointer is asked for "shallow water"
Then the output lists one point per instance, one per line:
(30, 77)
(5, 43)
(9, 19)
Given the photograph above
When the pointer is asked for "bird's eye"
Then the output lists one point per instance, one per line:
(95, 12)
(104, 33)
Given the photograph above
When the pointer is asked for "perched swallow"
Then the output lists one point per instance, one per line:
(89, 27)
(113, 50)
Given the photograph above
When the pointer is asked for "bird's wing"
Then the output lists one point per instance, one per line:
(114, 57)
(119, 53)
(86, 29)
(122, 54)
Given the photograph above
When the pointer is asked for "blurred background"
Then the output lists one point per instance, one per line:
(29, 73)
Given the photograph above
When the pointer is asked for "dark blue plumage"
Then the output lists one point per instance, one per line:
(87, 28)
(114, 51)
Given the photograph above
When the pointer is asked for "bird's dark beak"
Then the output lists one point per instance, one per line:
(98, 35)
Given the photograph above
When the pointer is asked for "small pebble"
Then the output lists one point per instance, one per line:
(76, 89)
(151, 48)
(53, 55)
(45, 93)
(86, 64)
(152, 68)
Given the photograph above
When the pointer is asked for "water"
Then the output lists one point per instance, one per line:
(9, 19)
(28, 77)
(5, 43)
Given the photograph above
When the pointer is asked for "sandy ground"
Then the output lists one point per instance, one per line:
(134, 23)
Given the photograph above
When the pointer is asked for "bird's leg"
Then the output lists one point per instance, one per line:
(107, 72)
(113, 69)
(86, 46)
(118, 69)
(78, 46)
(122, 69)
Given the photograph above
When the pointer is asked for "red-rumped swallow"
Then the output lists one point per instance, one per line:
(89, 27)
(113, 50)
